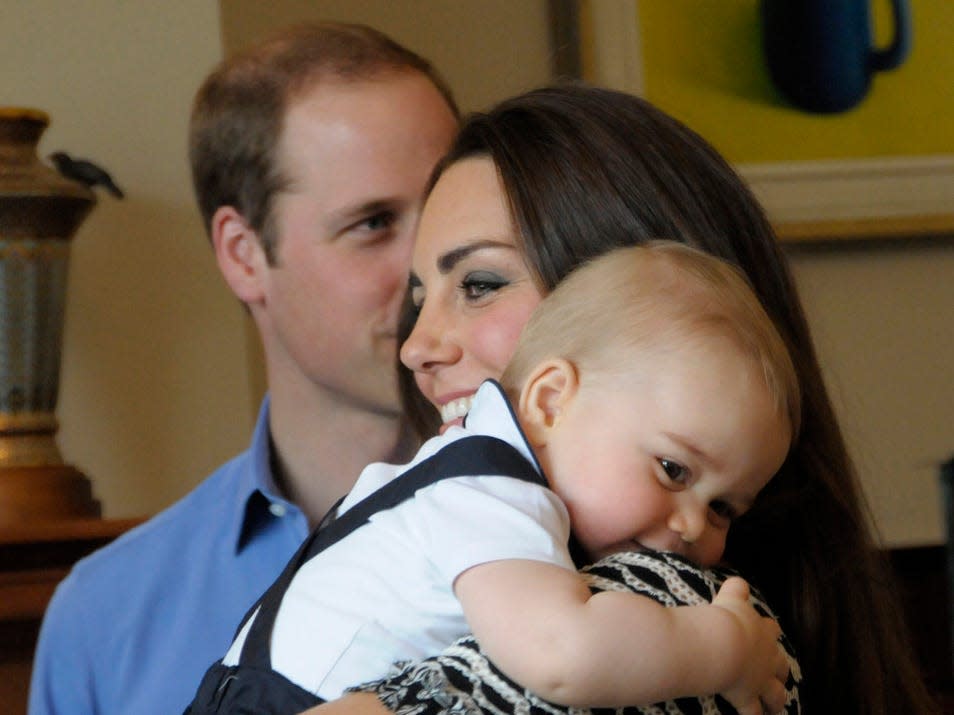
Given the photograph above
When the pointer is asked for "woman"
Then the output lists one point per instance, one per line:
(551, 178)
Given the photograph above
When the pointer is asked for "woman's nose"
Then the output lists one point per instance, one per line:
(428, 347)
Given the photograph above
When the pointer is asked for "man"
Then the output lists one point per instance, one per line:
(310, 154)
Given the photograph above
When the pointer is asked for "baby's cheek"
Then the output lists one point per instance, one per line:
(597, 537)
(712, 551)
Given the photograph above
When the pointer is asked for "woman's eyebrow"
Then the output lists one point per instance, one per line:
(447, 261)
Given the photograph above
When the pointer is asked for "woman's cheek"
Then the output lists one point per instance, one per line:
(423, 383)
(502, 337)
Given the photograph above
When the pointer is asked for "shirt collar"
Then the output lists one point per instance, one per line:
(492, 414)
(257, 497)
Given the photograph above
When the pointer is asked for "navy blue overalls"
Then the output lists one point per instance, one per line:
(252, 687)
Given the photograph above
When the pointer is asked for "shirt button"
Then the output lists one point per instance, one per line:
(277, 509)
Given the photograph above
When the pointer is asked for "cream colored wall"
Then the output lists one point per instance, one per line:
(486, 49)
(883, 320)
(154, 376)
(161, 376)
(155, 388)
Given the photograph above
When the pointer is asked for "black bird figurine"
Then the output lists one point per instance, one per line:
(86, 172)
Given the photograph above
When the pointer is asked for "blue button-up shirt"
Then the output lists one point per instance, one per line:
(135, 625)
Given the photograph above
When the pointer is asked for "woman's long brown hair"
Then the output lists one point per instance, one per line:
(588, 169)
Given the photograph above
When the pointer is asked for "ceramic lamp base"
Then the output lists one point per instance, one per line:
(45, 493)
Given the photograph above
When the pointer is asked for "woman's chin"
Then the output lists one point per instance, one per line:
(458, 422)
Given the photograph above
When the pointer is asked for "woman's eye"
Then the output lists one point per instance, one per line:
(675, 471)
(480, 284)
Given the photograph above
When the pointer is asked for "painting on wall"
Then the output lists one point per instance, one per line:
(877, 161)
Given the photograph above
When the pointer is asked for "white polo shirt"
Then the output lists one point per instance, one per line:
(385, 592)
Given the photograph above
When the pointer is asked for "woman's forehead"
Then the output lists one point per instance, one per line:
(467, 206)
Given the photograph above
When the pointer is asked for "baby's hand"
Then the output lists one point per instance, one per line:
(760, 687)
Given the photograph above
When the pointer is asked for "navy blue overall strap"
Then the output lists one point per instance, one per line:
(478, 455)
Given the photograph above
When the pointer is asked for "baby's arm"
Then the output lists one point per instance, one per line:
(350, 704)
(544, 628)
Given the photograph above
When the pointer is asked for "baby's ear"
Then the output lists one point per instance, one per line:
(546, 392)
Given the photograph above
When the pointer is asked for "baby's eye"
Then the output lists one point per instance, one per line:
(479, 284)
(723, 513)
(675, 471)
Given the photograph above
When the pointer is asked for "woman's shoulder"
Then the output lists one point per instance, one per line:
(665, 577)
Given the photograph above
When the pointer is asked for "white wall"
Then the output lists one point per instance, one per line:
(154, 377)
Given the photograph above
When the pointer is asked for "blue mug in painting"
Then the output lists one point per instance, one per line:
(820, 53)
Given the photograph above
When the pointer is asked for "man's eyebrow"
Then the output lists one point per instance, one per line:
(367, 208)
(447, 261)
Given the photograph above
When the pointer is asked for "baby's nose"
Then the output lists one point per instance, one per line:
(689, 521)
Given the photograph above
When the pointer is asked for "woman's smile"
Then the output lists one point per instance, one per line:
(470, 285)
(456, 409)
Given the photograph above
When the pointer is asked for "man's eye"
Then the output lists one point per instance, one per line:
(379, 221)
(675, 471)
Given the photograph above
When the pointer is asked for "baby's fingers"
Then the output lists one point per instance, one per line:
(782, 666)
(753, 707)
(733, 588)
(771, 701)
(774, 697)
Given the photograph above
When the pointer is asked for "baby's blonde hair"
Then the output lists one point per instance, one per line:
(647, 295)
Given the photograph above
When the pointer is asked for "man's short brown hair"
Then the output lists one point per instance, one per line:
(238, 112)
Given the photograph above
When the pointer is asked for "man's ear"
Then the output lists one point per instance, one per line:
(239, 253)
(547, 391)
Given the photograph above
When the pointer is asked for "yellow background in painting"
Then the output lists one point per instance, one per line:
(702, 62)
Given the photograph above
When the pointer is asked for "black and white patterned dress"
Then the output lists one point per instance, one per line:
(462, 681)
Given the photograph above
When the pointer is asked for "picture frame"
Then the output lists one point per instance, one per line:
(807, 200)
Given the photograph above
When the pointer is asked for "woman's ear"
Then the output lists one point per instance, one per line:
(239, 253)
(546, 393)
